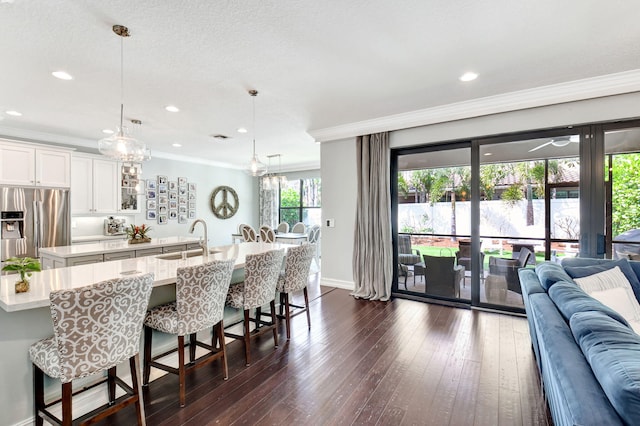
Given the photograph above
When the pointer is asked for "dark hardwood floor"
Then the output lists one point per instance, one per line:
(395, 363)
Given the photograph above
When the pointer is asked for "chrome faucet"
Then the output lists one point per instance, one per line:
(203, 243)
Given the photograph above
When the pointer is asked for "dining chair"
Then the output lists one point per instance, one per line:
(258, 289)
(248, 233)
(283, 227)
(442, 276)
(314, 238)
(200, 294)
(267, 235)
(95, 328)
(294, 279)
(299, 228)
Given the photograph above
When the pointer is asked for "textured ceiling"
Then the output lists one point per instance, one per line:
(316, 64)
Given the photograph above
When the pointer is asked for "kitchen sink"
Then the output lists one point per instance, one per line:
(190, 253)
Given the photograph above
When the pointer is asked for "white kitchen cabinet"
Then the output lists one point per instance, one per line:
(94, 185)
(149, 252)
(130, 187)
(34, 165)
(84, 260)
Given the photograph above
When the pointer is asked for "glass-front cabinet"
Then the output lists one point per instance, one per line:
(130, 187)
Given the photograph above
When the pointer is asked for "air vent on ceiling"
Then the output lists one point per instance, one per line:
(220, 137)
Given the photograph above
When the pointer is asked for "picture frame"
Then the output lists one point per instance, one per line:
(162, 210)
(151, 184)
(151, 215)
(182, 209)
(162, 180)
(151, 194)
(182, 218)
(192, 186)
(173, 195)
(173, 204)
(192, 195)
(192, 204)
(162, 219)
(192, 214)
(151, 204)
(182, 181)
(173, 185)
(182, 190)
(182, 200)
(173, 214)
(162, 189)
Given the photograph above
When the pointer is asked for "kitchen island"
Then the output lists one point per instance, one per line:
(26, 318)
(104, 251)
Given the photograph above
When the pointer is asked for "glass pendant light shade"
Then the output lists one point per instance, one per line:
(122, 146)
(255, 167)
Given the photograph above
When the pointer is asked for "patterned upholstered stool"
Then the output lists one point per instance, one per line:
(95, 328)
(258, 289)
(199, 305)
(295, 278)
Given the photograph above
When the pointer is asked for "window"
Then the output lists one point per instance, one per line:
(300, 202)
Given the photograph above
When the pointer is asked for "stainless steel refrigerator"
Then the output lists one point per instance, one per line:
(31, 218)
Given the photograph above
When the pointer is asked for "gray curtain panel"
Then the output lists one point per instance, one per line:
(373, 251)
(268, 200)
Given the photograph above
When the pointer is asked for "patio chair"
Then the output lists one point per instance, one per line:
(463, 256)
(508, 268)
(442, 276)
(406, 257)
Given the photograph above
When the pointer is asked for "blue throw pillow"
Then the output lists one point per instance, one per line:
(569, 299)
(550, 273)
(623, 264)
(613, 352)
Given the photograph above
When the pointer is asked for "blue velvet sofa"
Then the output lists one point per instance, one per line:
(587, 355)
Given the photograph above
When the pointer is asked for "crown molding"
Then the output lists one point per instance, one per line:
(577, 90)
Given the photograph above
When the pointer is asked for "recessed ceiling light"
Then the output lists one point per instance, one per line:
(172, 108)
(62, 75)
(242, 130)
(468, 76)
(177, 145)
(488, 153)
(107, 131)
(14, 113)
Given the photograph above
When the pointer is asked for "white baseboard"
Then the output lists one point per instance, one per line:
(330, 282)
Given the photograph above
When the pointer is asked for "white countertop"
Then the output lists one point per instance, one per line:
(113, 246)
(42, 283)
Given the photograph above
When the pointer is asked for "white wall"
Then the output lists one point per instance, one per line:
(339, 186)
(338, 160)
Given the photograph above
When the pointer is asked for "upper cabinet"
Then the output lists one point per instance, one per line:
(24, 164)
(130, 188)
(94, 184)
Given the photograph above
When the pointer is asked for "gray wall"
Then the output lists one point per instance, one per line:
(339, 178)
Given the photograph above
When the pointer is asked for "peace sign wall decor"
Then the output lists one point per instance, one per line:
(224, 202)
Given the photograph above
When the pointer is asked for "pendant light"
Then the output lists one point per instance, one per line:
(255, 167)
(273, 181)
(122, 146)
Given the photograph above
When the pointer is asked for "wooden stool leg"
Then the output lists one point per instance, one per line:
(287, 315)
(67, 393)
(192, 347)
(274, 320)
(181, 372)
(134, 364)
(306, 304)
(111, 384)
(148, 332)
(247, 338)
(38, 397)
(223, 348)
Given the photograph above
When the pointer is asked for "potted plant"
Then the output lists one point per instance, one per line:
(138, 234)
(25, 266)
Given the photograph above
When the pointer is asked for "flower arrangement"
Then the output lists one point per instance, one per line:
(138, 234)
(25, 266)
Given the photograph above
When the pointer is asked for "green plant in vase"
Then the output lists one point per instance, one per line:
(138, 234)
(25, 266)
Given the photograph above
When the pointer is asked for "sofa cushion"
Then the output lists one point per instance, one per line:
(613, 351)
(570, 298)
(612, 289)
(599, 265)
(550, 273)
